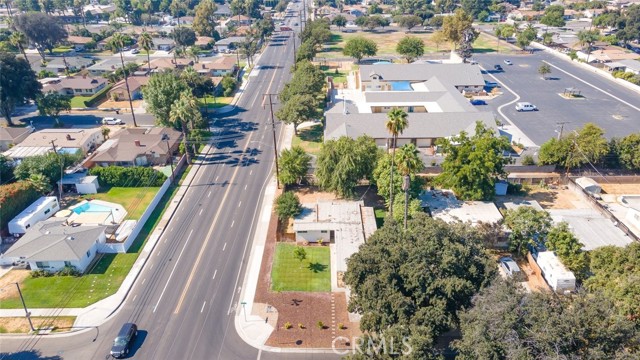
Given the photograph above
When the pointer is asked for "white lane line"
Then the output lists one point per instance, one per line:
(224, 246)
(507, 104)
(240, 203)
(201, 211)
(174, 269)
(203, 304)
(214, 274)
(259, 354)
(143, 280)
(217, 177)
(158, 254)
(250, 172)
(593, 86)
(151, 267)
(209, 194)
(165, 239)
(233, 222)
(245, 187)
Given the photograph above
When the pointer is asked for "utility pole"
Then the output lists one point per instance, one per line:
(293, 37)
(561, 127)
(275, 143)
(165, 137)
(53, 144)
(27, 313)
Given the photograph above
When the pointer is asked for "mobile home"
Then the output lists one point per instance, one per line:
(557, 276)
(41, 209)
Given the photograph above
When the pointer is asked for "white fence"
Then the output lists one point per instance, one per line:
(124, 246)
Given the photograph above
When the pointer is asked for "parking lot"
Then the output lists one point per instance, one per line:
(611, 106)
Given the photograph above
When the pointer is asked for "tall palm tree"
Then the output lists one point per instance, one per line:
(183, 110)
(194, 53)
(146, 43)
(396, 123)
(409, 161)
(19, 40)
(117, 44)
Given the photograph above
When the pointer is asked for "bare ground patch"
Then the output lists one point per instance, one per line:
(13, 276)
(20, 325)
(620, 189)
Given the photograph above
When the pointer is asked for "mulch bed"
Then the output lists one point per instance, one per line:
(306, 308)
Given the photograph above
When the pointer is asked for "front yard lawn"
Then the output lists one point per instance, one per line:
(219, 102)
(134, 199)
(309, 139)
(78, 101)
(312, 274)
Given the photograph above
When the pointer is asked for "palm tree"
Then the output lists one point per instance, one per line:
(191, 77)
(396, 123)
(183, 110)
(194, 53)
(409, 161)
(146, 43)
(19, 40)
(117, 43)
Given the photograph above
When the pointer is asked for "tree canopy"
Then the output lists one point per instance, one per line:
(576, 148)
(160, 93)
(17, 84)
(410, 48)
(342, 163)
(287, 206)
(473, 164)
(553, 16)
(52, 103)
(294, 165)
(566, 245)
(43, 30)
(307, 79)
(204, 23)
(413, 283)
(455, 27)
(527, 225)
(183, 36)
(298, 109)
(47, 165)
(382, 173)
(359, 47)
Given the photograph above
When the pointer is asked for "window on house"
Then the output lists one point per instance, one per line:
(89, 253)
(47, 211)
(302, 232)
(77, 90)
(28, 226)
(42, 264)
(67, 263)
(323, 231)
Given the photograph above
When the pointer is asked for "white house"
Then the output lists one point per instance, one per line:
(52, 244)
(557, 276)
(443, 205)
(632, 202)
(81, 183)
(41, 209)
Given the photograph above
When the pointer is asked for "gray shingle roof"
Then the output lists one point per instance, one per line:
(455, 74)
(51, 241)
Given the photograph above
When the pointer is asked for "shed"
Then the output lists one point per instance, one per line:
(41, 209)
(81, 183)
(557, 276)
(589, 185)
(501, 188)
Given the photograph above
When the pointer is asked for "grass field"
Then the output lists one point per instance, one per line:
(134, 199)
(380, 215)
(78, 101)
(387, 42)
(338, 78)
(220, 101)
(290, 274)
(101, 281)
(309, 139)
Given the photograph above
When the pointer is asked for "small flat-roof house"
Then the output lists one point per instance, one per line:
(228, 44)
(443, 204)
(10, 136)
(343, 224)
(79, 42)
(107, 66)
(52, 244)
(557, 276)
(632, 202)
(39, 210)
(222, 66)
(136, 147)
(80, 183)
(58, 65)
(136, 83)
(75, 85)
(67, 141)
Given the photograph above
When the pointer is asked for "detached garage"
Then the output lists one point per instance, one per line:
(80, 183)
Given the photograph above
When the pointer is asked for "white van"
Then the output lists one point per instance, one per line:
(525, 106)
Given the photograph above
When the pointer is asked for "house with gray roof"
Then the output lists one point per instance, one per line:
(10, 136)
(53, 244)
(164, 44)
(431, 95)
(228, 44)
(109, 65)
(58, 65)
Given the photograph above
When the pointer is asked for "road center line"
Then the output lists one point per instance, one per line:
(245, 187)
(214, 275)
(203, 304)
(134, 298)
(143, 280)
(233, 222)
(208, 237)
(224, 246)
(240, 203)
(200, 211)
(174, 269)
(593, 86)
(209, 194)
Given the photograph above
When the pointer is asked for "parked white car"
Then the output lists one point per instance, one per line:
(525, 106)
(111, 121)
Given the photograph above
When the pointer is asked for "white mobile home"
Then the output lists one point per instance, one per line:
(41, 209)
(558, 277)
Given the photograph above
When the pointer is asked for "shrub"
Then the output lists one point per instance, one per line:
(300, 325)
(528, 160)
(68, 271)
(320, 325)
(40, 273)
(287, 206)
(98, 97)
(14, 198)
(341, 326)
(287, 325)
(135, 176)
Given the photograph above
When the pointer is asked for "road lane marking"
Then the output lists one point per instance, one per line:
(250, 172)
(593, 86)
(174, 269)
(217, 177)
(151, 267)
(200, 211)
(203, 304)
(233, 222)
(214, 274)
(209, 194)
(245, 187)
(143, 280)
(224, 247)
(208, 237)
(134, 298)
(240, 203)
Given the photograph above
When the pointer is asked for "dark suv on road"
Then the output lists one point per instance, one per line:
(497, 68)
(123, 342)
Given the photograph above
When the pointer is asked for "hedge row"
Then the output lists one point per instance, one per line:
(98, 97)
(128, 176)
(14, 198)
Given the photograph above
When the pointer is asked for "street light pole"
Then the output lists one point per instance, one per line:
(165, 137)
(275, 143)
(405, 187)
(28, 315)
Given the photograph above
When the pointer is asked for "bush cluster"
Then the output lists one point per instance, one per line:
(135, 176)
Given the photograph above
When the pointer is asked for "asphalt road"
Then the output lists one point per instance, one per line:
(86, 119)
(183, 299)
(611, 106)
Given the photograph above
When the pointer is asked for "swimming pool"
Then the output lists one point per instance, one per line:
(401, 86)
(91, 207)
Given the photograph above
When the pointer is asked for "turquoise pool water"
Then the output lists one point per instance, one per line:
(91, 207)
(401, 86)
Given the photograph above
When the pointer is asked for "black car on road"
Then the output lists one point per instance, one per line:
(123, 341)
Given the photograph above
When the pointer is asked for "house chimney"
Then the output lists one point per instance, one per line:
(203, 66)
(69, 137)
(137, 143)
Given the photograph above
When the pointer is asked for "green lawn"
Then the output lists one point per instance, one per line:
(78, 101)
(103, 280)
(380, 215)
(309, 139)
(312, 274)
(338, 78)
(135, 199)
(220, 101)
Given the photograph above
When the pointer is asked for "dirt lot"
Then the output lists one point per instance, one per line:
(21, 325)
(560, 198)
(311, 194)
(13, 276)
(620, 189)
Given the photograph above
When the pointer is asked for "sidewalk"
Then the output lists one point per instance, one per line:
(97, 313)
